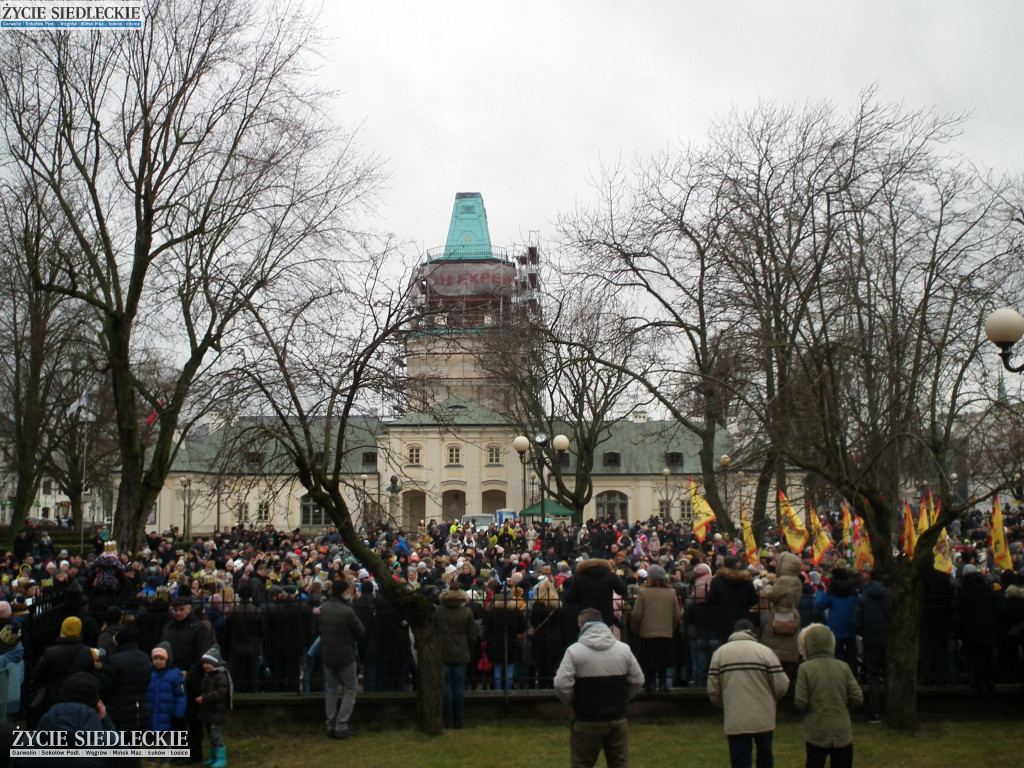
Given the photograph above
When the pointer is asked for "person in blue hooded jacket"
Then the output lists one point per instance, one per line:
(840, 604)
(166, 694)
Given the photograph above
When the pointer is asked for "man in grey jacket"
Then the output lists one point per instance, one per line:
(340, 631)
(597, 676)
(746, 679)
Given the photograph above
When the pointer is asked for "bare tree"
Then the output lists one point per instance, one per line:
(195, 168)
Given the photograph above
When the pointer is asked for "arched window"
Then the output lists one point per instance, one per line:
(612, 503)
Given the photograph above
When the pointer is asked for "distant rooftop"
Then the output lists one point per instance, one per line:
(468, 236)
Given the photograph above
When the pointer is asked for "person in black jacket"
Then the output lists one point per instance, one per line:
(731, 596)
(243, 641)
(871, 620)
(593, 586)
(189, 640)
(65, 657)
(79, 708)
(977, 613)
(124, 681)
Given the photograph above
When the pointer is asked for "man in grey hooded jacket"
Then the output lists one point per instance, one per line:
(597, 676)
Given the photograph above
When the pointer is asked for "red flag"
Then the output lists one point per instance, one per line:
(155, 413)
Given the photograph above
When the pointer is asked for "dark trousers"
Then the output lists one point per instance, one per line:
(841, 757)
(588, 739)
(741, 749)
(846, 650)
(454, 691)
(874, 669)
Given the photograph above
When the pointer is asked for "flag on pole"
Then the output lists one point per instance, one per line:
(909, 538)
(923, 518)
(997, 540)
(820, 542)
(847, 528)
(748, 536)
(796, 534)
(863, 556)
(703, 515)
(78, 404)
(155, 413)
(943, 554)
(933, 508)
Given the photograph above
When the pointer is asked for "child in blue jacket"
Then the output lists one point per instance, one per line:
(166, 694)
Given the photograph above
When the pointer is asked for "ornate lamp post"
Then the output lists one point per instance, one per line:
(666, 506)
(186, 512)
(1004, 327)
(366, 507)
(539, 454)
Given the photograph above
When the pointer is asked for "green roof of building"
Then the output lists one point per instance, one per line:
(468, 236)
(457, 411)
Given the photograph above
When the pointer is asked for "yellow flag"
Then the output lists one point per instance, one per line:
(863, 556)
(923, 519)
(796, 534)
(933, 509)
(909, 533)
(943, 554)
(748, 536)
(996, 538)
(703, 515)
(820, 542)
(847, 527)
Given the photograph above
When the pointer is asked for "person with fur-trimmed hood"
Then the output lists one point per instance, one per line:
(457, 627)
(593, 586)
(826, 690)
(731, 596)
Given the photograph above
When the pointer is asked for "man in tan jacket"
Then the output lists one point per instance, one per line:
(746, 679)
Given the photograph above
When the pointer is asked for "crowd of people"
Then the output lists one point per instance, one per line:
(255, 596)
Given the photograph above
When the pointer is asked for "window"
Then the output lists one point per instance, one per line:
(413, 456)
(242, 512)
(612, 459)
(454, 455)
(685, 510)
(563, 459)
(263, 512)
(253, 458)
(494, 454)
(664, 508)
(674, 459)
(310, 513)
(613, 503)
(47, 487)
(370, 458)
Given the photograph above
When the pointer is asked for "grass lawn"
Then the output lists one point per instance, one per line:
(653, 744)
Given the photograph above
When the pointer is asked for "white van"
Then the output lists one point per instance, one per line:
(479, 522)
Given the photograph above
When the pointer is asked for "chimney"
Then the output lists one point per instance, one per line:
(639, 417)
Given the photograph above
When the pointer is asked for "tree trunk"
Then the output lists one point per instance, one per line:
(901, 664)
(429, 678)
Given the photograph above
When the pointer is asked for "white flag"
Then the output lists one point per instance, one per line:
(78, 404)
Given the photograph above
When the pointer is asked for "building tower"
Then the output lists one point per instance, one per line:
(467, 290)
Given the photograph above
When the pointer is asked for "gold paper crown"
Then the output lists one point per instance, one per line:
(110, 546)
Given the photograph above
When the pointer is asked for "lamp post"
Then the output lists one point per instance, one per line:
(363, 478)
(666, 509)
(186, 512)
(521, 444)
(539, 454)
(724, 463)
(1004, 327)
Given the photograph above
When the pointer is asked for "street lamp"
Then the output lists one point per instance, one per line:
(666, 507)
(540, 455)
(186, 513)
(364, 477)
(724, 462)
(1004, 327)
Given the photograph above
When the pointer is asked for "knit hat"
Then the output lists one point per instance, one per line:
(213, 656)
(969, 569)
(71, 627)
(81, 687)
(656, 573)
(163, 651)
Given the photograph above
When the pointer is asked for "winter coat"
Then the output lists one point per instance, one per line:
(72, 717)
(243, 632)
(165, 697)
(598, 675)
(731, 596)
(456, 626)
(593, 586)
(124, 682)
(189, 639)
(839, 601)
(66, 656)
(746, 679)
(215, 690)
(504, 624)
(825, 689)
(977, 612)
(340, 631)
(871, 618)
(784, 596)
(656, 611)
(13, 660)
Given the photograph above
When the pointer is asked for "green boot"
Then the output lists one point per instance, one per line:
(221, 754)
(212, 758)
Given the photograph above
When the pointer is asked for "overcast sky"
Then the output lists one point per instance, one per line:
(524, 101)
